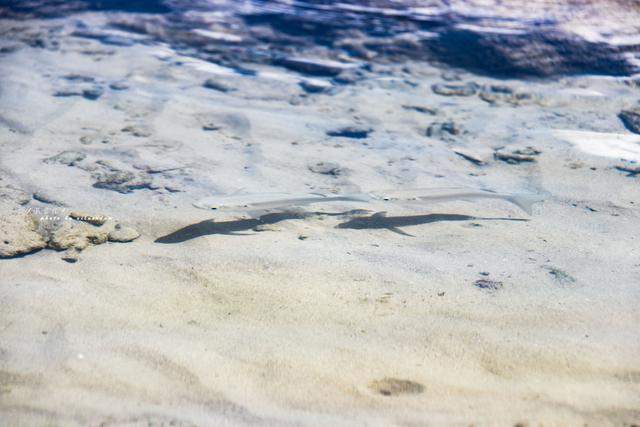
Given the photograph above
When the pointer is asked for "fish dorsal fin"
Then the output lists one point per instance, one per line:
(379, 215)
(319, 194)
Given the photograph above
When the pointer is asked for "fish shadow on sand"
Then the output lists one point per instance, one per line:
(236, 227)
(380, 220)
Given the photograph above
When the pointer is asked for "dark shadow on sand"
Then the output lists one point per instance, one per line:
(236, 227)
(392, 223)
(376, 221)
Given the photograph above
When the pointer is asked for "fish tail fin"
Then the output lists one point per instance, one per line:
(526, 201)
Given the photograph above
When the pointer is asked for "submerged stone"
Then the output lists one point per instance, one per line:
(631, 119)
(356, 132)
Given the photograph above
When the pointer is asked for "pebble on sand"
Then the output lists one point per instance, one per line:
(315, 66)
(356, 132)
(123, 234)
(139, 132)
(516, 156)
(119, 86)
(394, 387)
(443, 130)
(455, 89)
(315, 85)
(473, 157)
(326, 168)
(488, 285)
(216, 85)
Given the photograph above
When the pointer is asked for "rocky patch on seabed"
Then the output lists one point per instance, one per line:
(27, 230)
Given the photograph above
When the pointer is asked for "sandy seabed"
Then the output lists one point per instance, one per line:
(476, 318)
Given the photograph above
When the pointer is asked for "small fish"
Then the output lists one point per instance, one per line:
(265, 202)
(439, 195)
(258, 204)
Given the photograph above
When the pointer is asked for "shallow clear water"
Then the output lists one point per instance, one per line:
(391, 296)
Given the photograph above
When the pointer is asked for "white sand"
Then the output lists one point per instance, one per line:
(267, 328)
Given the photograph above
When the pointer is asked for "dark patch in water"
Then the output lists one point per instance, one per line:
(539, 53)
(478, 38)
(56, 8)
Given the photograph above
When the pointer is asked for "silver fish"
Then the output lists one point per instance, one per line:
(270, 201)
(448, 194)
(264, 202)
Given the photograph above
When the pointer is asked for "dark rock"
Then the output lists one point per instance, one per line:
(356, 132)
(314, 86)
(9, 49)
(443, 130)
(316, 67)
(472, 157)
(79, 78)
(216, 85)
(394, 387)
(499, 94)
(539, 43)
(488, 285)
(421, 109)
(211, 126)
(631, 119)
(119, 86)
(527, 154)
(139, 132)
(120, 181)
(455, 89)
(173, 188)
(47, 199)
(90, 139)
(90, 93)
(541, 51)
(67, 92)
